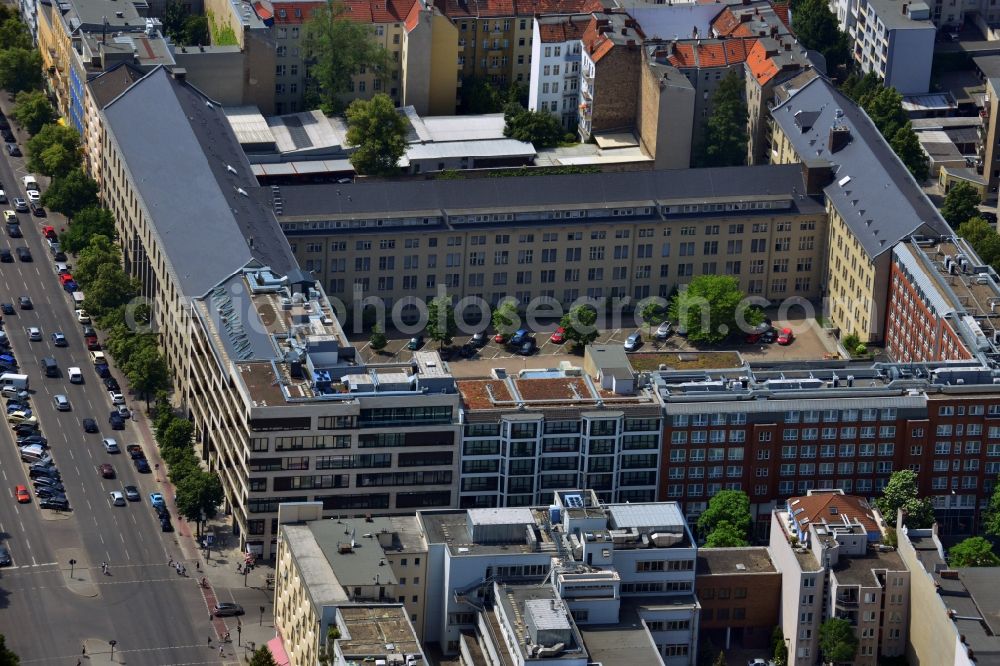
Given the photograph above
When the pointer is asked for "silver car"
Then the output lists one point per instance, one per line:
(111, 445)
(61, 402)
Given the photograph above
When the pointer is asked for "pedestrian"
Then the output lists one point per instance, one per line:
(239, 568)
(170, 562)
(197, 565)
(84, 648)
(221, 650)
(210, 640)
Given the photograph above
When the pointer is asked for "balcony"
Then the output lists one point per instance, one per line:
(571, 57)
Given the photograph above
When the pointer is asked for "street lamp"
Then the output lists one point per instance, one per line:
(262, 609)
(239, 632)
(112, 643)
(72, 563)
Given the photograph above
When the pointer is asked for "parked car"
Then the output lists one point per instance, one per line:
(663, 331)
(58, 503)
(227, 609)
(141, 465)
(116, 422)
(633, 341)
(5, 560)
(786, 336)
(520, 335)
(558, 336)
(528, 347)
(13, 150)
(478, 339)
(156, 500)
(415, 343)
(135, 451)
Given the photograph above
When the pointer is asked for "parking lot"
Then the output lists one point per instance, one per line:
(810, 343)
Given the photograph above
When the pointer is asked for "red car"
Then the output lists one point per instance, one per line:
(65, 277)
(559, 336)
(49, 233)
(22, 494)
(107, 471)
(500, 338)
(786, 336)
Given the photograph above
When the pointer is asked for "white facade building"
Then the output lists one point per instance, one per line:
(894, 40)
(555, 66)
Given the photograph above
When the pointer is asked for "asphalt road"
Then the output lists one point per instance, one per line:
(156, 616)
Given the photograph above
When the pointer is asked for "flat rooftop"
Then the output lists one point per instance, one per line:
(541, 604)
(716, 561)
(860, 570)
(452, 528)
(373, 629)
(649, 361)
(541, 389)
(624, 644)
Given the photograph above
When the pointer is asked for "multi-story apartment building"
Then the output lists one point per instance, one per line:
(592, 565)
(282, 409)
(324, 566)
(770, 63)
(893, 40)
(610, 62)
(989, 139)
(80, 39)
(952, 611)
(607, 235)
(872, 200)
(554, 84)
(941, 303)
(526, 436)
(739, 590)
(420, 45)
(828, 547)
(99, 91)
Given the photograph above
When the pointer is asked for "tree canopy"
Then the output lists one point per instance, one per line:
(580, 324)
(901, 493)
(817, 29)
(837, 640)
(71, 193)
(87, 223)
(199, 494)
(708, 310)
(504, 317)
(477, 95)
(340, 49)
(441, 325)
(54, 149)
(147, 372)
(729, 510)
(14, 34)
(99, 251)
(726, 535)
(725, 138)
(973, 552)
(885, 108)
(7, 656)
(378, 133)
(262, 657)
(960, 204)
(540, 128)
(906, 145)
(32, 110)
(991, 517)
(20, 69)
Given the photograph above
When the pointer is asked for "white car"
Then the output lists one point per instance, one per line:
(61, 402)
(82, 317)
(117, 498)
(97, 357)
(34, 333)
(111, 445)
(3, 197)
(116, 398)
(75, 375)
(34, 196)
(122, 411)
(663, 331)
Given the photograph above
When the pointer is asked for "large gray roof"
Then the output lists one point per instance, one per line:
(879, 199)
(598, 190)
(188, 169)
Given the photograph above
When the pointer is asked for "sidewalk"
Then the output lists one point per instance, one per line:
(218, 566)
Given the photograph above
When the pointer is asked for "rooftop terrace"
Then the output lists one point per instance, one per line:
(376, 631)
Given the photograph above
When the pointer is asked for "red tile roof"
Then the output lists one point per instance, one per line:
(832, 507)
(597, 44)
(413, 18)
(563, 31)
(761, 66)
(781, 10)
(717, 53)
(725, 22)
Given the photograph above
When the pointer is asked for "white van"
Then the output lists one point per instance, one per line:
(77, 299)
(30, 183)
(15, 381)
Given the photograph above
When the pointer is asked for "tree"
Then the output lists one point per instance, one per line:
(960, 204)
(7, 656)
(178, 434)
(779, 648)
(885, 108)
(377, 341)
(42, 158)
(71, 193)
(973, 552)
(14, 35)
(479, 96)
(340, 48)
(856, 87)
(378, 133)
(816, 27)
(730, 507)
(901, 493)
(173, 20)
(195, 30)
(837, 640)
(199, 495)
(147, 372)
(99, 251)
(725, 140)
(262, 657)
(441, 325)
(539, 128)
(504, 318)
(20, 69)
(983, 238)
(580, 325)
(726, 535)
(906, 145)
(991, 517)
(110, 289)
(720, 660)
(89, 222)
(32, 110)
(651, 313)
(710, 308)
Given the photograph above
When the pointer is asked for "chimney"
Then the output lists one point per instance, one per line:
(816, 174)
(788, 46)
(839, 138)
(694, 32)
(179, 73)
(905, 7)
